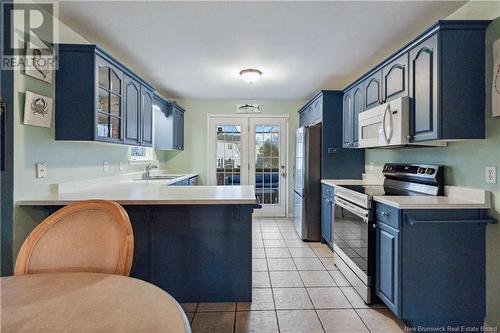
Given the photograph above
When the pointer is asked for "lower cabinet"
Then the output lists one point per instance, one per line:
(430, 265)
(387, 268)
(192, 181)
(326, 213)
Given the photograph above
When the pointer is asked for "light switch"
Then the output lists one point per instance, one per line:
(41, 170)
(490, 175)
(123, 165)
(105, 166)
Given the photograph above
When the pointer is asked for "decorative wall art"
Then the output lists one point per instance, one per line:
(39, 66)
(248, 108)
(495, 91)
(37, 110)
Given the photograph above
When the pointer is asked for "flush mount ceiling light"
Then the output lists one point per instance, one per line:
(250, 75)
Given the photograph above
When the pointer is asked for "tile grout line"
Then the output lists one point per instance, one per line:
(310, 299)
(272, 294)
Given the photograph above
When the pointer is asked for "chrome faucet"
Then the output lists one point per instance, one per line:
(147, 172)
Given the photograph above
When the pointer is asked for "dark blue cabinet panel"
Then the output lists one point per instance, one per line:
(395, 78)
(373, 90)
(424, 90)
(178, 127)
(169, 128)
(387, 266)
(326, 213)
(146, 117)
(357, 108)
(347, 117)
(132, 110)
(99, 99)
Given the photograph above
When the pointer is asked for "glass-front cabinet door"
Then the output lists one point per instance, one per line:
(109, 102)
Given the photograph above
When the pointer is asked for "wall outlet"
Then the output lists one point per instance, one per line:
(41, 170)
(105, 166)
(490, 175)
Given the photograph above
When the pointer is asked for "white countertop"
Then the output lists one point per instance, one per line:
(152, 192)
(455, 197)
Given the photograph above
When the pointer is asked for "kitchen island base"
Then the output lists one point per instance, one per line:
(195, 252)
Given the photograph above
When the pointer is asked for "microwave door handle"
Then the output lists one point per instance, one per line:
(387, 109)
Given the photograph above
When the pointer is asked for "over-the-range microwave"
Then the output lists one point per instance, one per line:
(388, 125)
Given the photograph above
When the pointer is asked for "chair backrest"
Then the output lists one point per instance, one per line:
(88, 236)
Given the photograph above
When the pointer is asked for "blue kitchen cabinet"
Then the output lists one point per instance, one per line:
(424, 90)
(347, 117)
(442, 71)
(146, 116)
(99, 99)
(353, 105)
(192, 181)
(387, 268)
(325, 109)
(326, 213)
(373, 89)
(132, 92)
(430, 264)
(395, 78)
(169, 128)
(357, 108)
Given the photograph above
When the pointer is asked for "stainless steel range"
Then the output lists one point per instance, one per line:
(353, 230)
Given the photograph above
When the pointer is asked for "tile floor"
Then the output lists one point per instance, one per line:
(296, 288)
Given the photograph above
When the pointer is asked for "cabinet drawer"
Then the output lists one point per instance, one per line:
(387, 214)
(328, 191)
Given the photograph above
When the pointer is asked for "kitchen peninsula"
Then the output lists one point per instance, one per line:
(193, 241)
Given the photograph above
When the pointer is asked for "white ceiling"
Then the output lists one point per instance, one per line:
(196, 49)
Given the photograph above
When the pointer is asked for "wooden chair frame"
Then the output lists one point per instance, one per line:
(126, 251)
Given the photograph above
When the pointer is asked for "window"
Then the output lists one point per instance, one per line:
(140, 154)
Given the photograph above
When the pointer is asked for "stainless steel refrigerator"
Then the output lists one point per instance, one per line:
(307, 189)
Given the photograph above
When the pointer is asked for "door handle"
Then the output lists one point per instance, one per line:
(3, 121)
(283, 173)
(387, 110)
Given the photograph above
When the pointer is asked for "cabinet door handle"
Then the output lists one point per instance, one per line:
(384, 213)
(374, 226)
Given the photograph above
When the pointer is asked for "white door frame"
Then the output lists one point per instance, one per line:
(236, 118)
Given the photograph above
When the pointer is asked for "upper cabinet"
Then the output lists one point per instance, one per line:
(329, 109)
(424, 90)
(98, 99)
(312, 113)
(169, 125)
(395, 79)
(373, 89)
(443, 73)
(354, 104)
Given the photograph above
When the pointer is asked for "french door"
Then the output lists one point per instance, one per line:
(250, 150)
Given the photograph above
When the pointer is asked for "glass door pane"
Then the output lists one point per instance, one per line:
(267, 167)
(268, 170)
(228, 153)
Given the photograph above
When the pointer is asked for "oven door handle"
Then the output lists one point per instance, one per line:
(353, 209)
